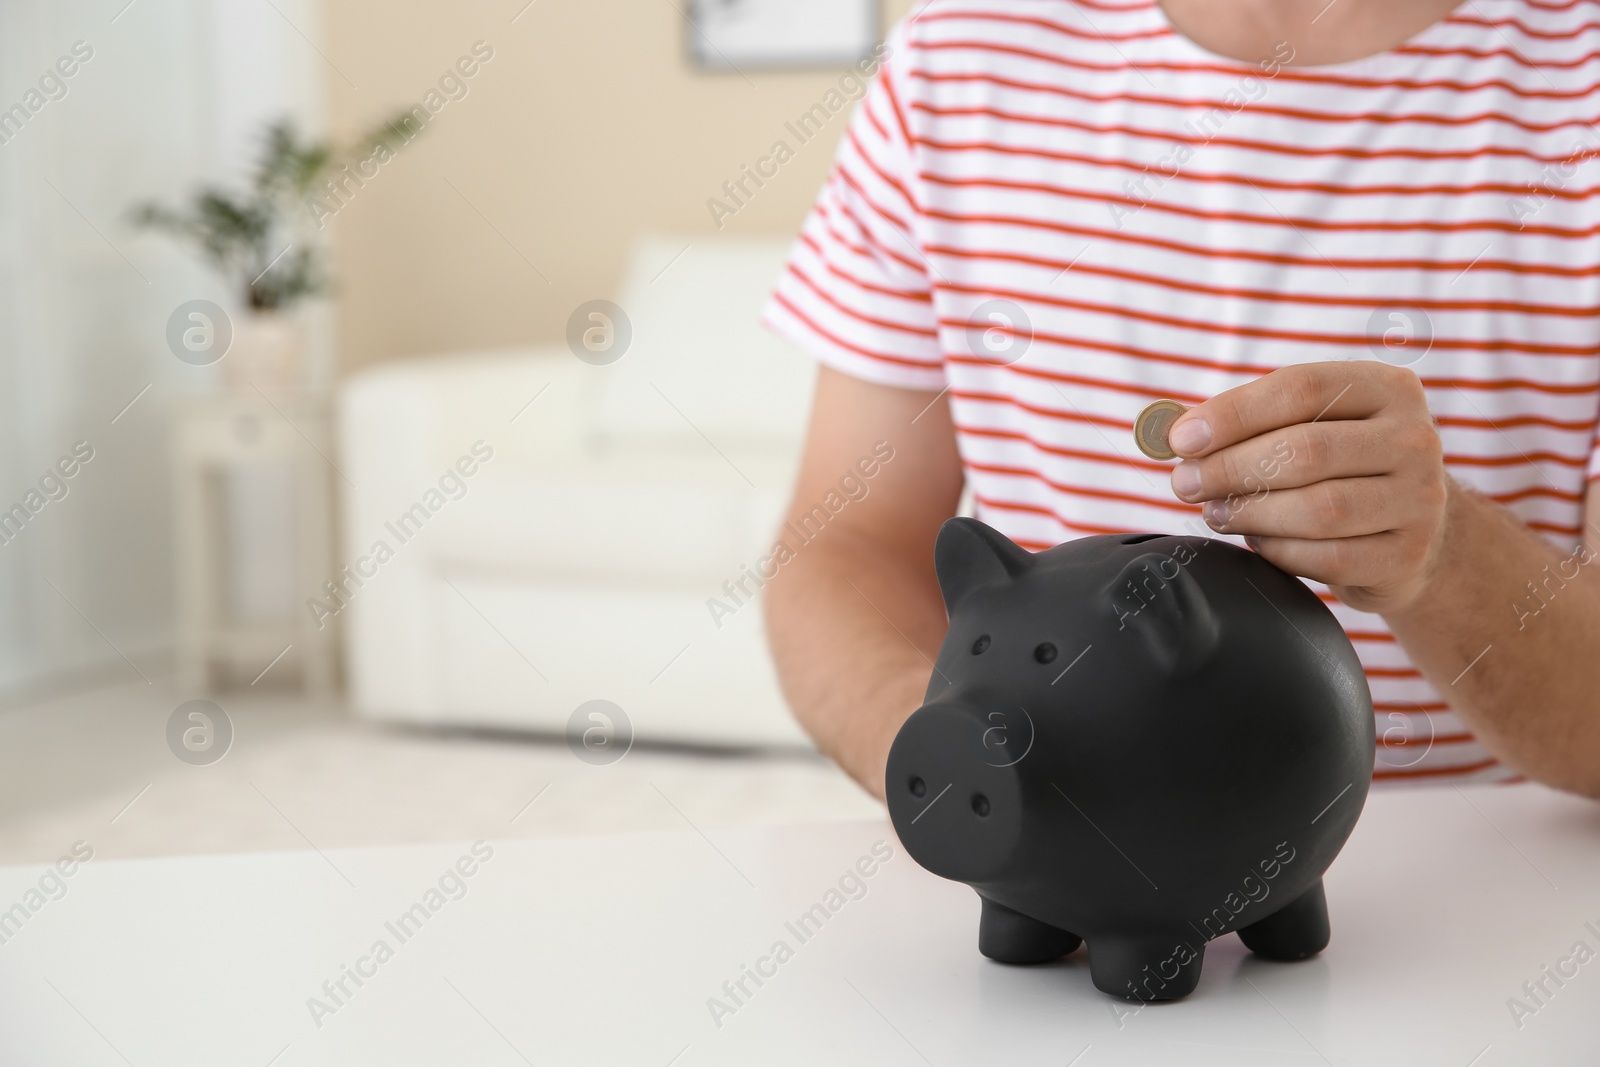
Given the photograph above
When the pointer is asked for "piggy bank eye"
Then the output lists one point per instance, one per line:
(980, 645)
(1045, 653)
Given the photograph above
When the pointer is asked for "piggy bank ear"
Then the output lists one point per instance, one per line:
(969, 555)
(1160, 603)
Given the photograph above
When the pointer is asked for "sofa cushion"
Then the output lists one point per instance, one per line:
(658, 520)
(700, 363)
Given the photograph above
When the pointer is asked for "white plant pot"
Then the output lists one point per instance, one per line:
(268, 352)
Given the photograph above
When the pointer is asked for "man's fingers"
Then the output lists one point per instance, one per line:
(1287, 459)
(1306, 392)
(1349, 561)
(1342, 507)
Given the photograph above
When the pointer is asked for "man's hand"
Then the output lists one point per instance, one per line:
(1332, 471)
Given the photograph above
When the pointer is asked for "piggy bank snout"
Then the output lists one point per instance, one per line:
(954, 789)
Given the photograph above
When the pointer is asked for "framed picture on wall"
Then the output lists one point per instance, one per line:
(741, 34)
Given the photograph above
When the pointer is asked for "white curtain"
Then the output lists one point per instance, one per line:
(162, 95)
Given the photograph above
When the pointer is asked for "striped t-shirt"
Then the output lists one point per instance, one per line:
(1155, 220)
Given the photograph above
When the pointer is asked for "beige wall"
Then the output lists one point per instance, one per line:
(586, 127)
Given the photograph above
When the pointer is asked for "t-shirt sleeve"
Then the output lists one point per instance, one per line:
(855, 293)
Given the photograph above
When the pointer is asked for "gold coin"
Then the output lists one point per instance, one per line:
(1151, 427)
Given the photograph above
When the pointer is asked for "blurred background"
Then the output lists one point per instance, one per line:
(388, 444)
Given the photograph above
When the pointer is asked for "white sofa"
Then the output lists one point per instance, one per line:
(578, 563)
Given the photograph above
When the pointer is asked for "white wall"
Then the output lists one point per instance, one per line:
(171, 97)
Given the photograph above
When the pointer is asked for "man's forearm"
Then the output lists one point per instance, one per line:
(1508, 630)
(854, 627)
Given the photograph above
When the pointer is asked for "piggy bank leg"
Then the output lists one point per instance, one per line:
(1295, 932)
(1012, 937)
(1146, 968)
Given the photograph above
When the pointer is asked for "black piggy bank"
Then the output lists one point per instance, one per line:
(1142, 742)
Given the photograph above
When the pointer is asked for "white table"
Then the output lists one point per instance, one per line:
(211, 436)
(605, 950)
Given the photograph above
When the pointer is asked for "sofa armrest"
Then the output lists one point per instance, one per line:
(401, 428)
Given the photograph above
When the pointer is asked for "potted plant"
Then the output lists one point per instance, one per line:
(265, 240)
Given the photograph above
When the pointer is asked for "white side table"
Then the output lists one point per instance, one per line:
(211, 434)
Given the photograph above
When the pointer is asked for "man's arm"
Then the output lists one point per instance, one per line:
(1335, 472)
(1521, 666)
(855, 619)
